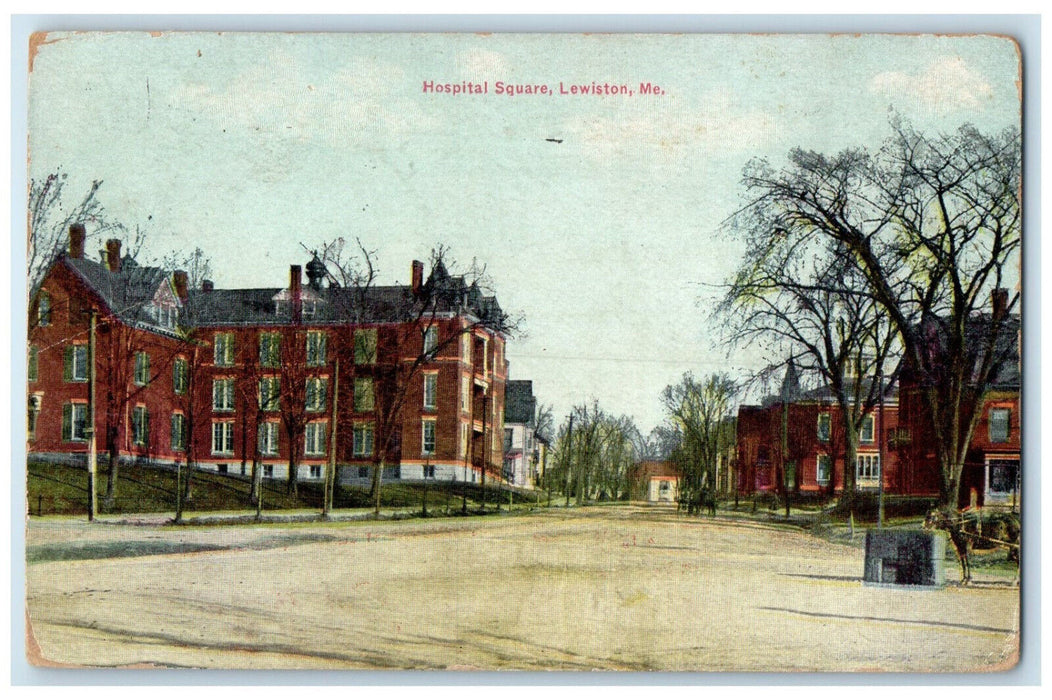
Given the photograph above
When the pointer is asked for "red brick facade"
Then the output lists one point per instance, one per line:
(200, 388)
(814, 452)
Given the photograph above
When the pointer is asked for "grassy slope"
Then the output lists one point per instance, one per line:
(58, 489)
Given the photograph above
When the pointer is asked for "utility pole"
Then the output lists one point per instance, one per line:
(330, 473)
(485, 454)
(93, 459)
(880, 450)
(569, 453)
(785, 448)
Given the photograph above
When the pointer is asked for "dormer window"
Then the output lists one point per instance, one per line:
(281, 307)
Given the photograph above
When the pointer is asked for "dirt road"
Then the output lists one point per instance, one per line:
(595, 588)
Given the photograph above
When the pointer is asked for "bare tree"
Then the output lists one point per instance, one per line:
(594, 454)
(933, 226)
(698, 409)
(51, 213)
(803, 301)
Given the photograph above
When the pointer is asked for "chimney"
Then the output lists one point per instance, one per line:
(418, 277)
(999, 302)
(207, 285)
(113, 255)
(76, 241)
(296, 292)
(180, 282)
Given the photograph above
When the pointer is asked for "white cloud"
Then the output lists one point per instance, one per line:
(480, 64)
(948, 84)
(641, 124)
(281, 96)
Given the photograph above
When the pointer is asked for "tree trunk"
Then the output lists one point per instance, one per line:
(111, 477)
(378, 472)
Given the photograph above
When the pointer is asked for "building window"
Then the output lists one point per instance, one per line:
(508, 435)
(224, 350)
(430, 339)
(428, 446)
(868, 467)
(464, 439)
(465, 347)
(363, 472)
(314, 439)
(365, 346)
(1000, 419)
(315, 471)
(44, 309)
(363, 394)
(268, 471)
(465, 394)
(223, 438)
(430, 390)
(223, 394)
(75, 363)
(222, 468)
(317, 345)
(180, 375)
(363, 440)
(34, 413)
(268, 438)
(429, 471)
(865, 430)
(269, 349)
(824, 426)
(142, 369)
(269, 393)
(75, 422)
(178, 432)
(140, 426)
(1003, 477)
(825, 468)
(317, 388)
(167, 315)
(33, 363)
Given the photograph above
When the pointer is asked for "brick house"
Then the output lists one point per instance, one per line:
(655, 481)
(992, 473)
(813, 458)
(225, 376)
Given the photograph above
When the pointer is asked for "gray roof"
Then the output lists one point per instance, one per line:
(127, 293)
(333, 305)
(520, 406)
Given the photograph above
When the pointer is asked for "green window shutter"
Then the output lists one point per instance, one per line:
(67, 364)
(67, 422)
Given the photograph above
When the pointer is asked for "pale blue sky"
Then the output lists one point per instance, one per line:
(247, 145)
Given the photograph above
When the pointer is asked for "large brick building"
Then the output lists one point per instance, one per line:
(222, 377)
(796, 438)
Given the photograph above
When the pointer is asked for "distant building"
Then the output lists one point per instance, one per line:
(655, 481)
(794, 441)
(227, 376)
(524, 449)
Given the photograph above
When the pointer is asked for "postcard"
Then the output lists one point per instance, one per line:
(532, 352)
